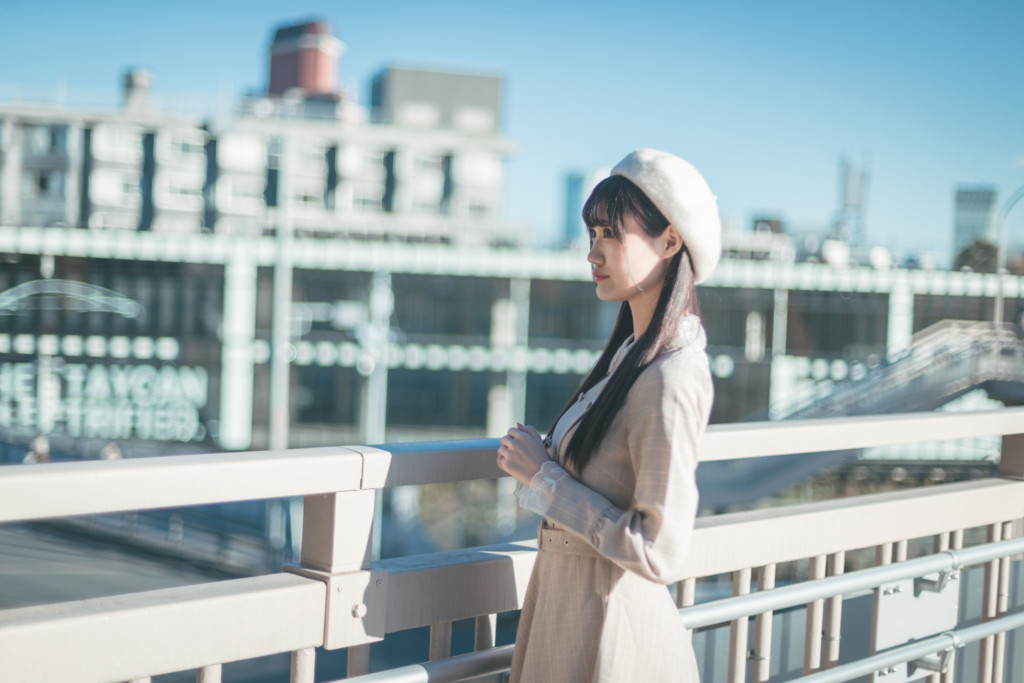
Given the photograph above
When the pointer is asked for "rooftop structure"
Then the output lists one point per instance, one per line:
(304, 56)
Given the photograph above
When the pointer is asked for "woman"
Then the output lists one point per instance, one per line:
(615, 479)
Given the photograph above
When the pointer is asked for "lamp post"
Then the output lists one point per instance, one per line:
(1017, 195)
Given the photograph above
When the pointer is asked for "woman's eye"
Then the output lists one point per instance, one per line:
(608, 233)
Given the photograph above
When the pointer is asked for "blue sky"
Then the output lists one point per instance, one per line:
(763, 96)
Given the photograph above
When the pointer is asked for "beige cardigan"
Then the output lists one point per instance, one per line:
(597, 608)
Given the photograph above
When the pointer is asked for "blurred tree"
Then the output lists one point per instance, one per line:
(1015, 263)
(979, 256)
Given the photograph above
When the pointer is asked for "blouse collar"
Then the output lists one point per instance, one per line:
(690, 333)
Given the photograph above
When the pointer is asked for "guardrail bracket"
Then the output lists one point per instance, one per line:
(937, 663)
(936, 585)
(356, 605)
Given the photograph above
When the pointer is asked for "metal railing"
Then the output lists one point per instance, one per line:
(950, 357)
(947, 564)
(338, 598)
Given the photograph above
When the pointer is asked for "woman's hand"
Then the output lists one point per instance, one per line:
(522, 452)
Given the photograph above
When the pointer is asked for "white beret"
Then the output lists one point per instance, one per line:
(683, 196)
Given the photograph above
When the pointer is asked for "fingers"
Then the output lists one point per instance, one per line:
(504, 449)
(524, 429)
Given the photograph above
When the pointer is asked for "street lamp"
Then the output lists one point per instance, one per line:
(1017, 195)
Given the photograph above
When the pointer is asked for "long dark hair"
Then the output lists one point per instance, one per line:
(609, 204)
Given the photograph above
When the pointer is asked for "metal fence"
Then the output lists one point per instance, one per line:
(338, 598)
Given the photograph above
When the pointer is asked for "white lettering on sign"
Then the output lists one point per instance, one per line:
(157, 402)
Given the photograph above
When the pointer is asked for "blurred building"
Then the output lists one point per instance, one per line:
(428, 169)
(139, 250)
(578, 186)
(850, 223)
(974, 216)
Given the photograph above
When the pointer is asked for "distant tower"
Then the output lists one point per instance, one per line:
(974, 216)
(572, 225)
(853, 189)
(304, 56)
(578, 187)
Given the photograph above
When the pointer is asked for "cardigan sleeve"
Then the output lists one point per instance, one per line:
(665, 412)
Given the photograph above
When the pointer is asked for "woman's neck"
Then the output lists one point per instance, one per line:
(642, 307)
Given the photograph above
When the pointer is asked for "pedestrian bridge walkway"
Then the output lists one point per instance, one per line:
(943, 362)
(912, 585)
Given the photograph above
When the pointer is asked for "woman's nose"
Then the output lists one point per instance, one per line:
(594, 255)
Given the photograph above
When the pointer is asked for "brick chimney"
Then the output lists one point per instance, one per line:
(304, 56)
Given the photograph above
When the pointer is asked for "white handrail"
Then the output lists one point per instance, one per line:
(64, 489)
(727, 609)
(951, 640)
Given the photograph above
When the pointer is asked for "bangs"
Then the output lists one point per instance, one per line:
(616, 197)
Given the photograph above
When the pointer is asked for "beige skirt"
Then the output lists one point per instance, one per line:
(585, 619)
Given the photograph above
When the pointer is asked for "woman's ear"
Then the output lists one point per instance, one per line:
(672, 240)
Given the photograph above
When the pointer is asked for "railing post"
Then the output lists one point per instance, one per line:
(883, 556)
(358, 660)
(956, 542)
(738, 630)
(1011, 460)
(209, 674)
(834, 613)
(812, 637)
(440, 641)
(1002, 604)
(763, 628)
(337, 540)
(989, 607)
(939, 544)
(337, 531)
(486, 630)
(303, 665)
(686, 592)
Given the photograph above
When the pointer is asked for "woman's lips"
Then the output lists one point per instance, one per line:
(598, 277)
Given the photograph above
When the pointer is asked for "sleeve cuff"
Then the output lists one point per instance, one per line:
(538, 496)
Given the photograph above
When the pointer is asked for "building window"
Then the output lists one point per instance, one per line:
(110, 187)
(426, 206)
(117, 143)
(176, 187)
(479, 210)
(248, 188)
(186, 145)
(42, 184)
(44, 140)
(311, 154)
(308, 193)
(429, 163)
(243, 193)
(178, 191)
(372, 164)
(113, 221)
(368, 199)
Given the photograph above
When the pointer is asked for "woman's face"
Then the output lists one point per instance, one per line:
(630, 266)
